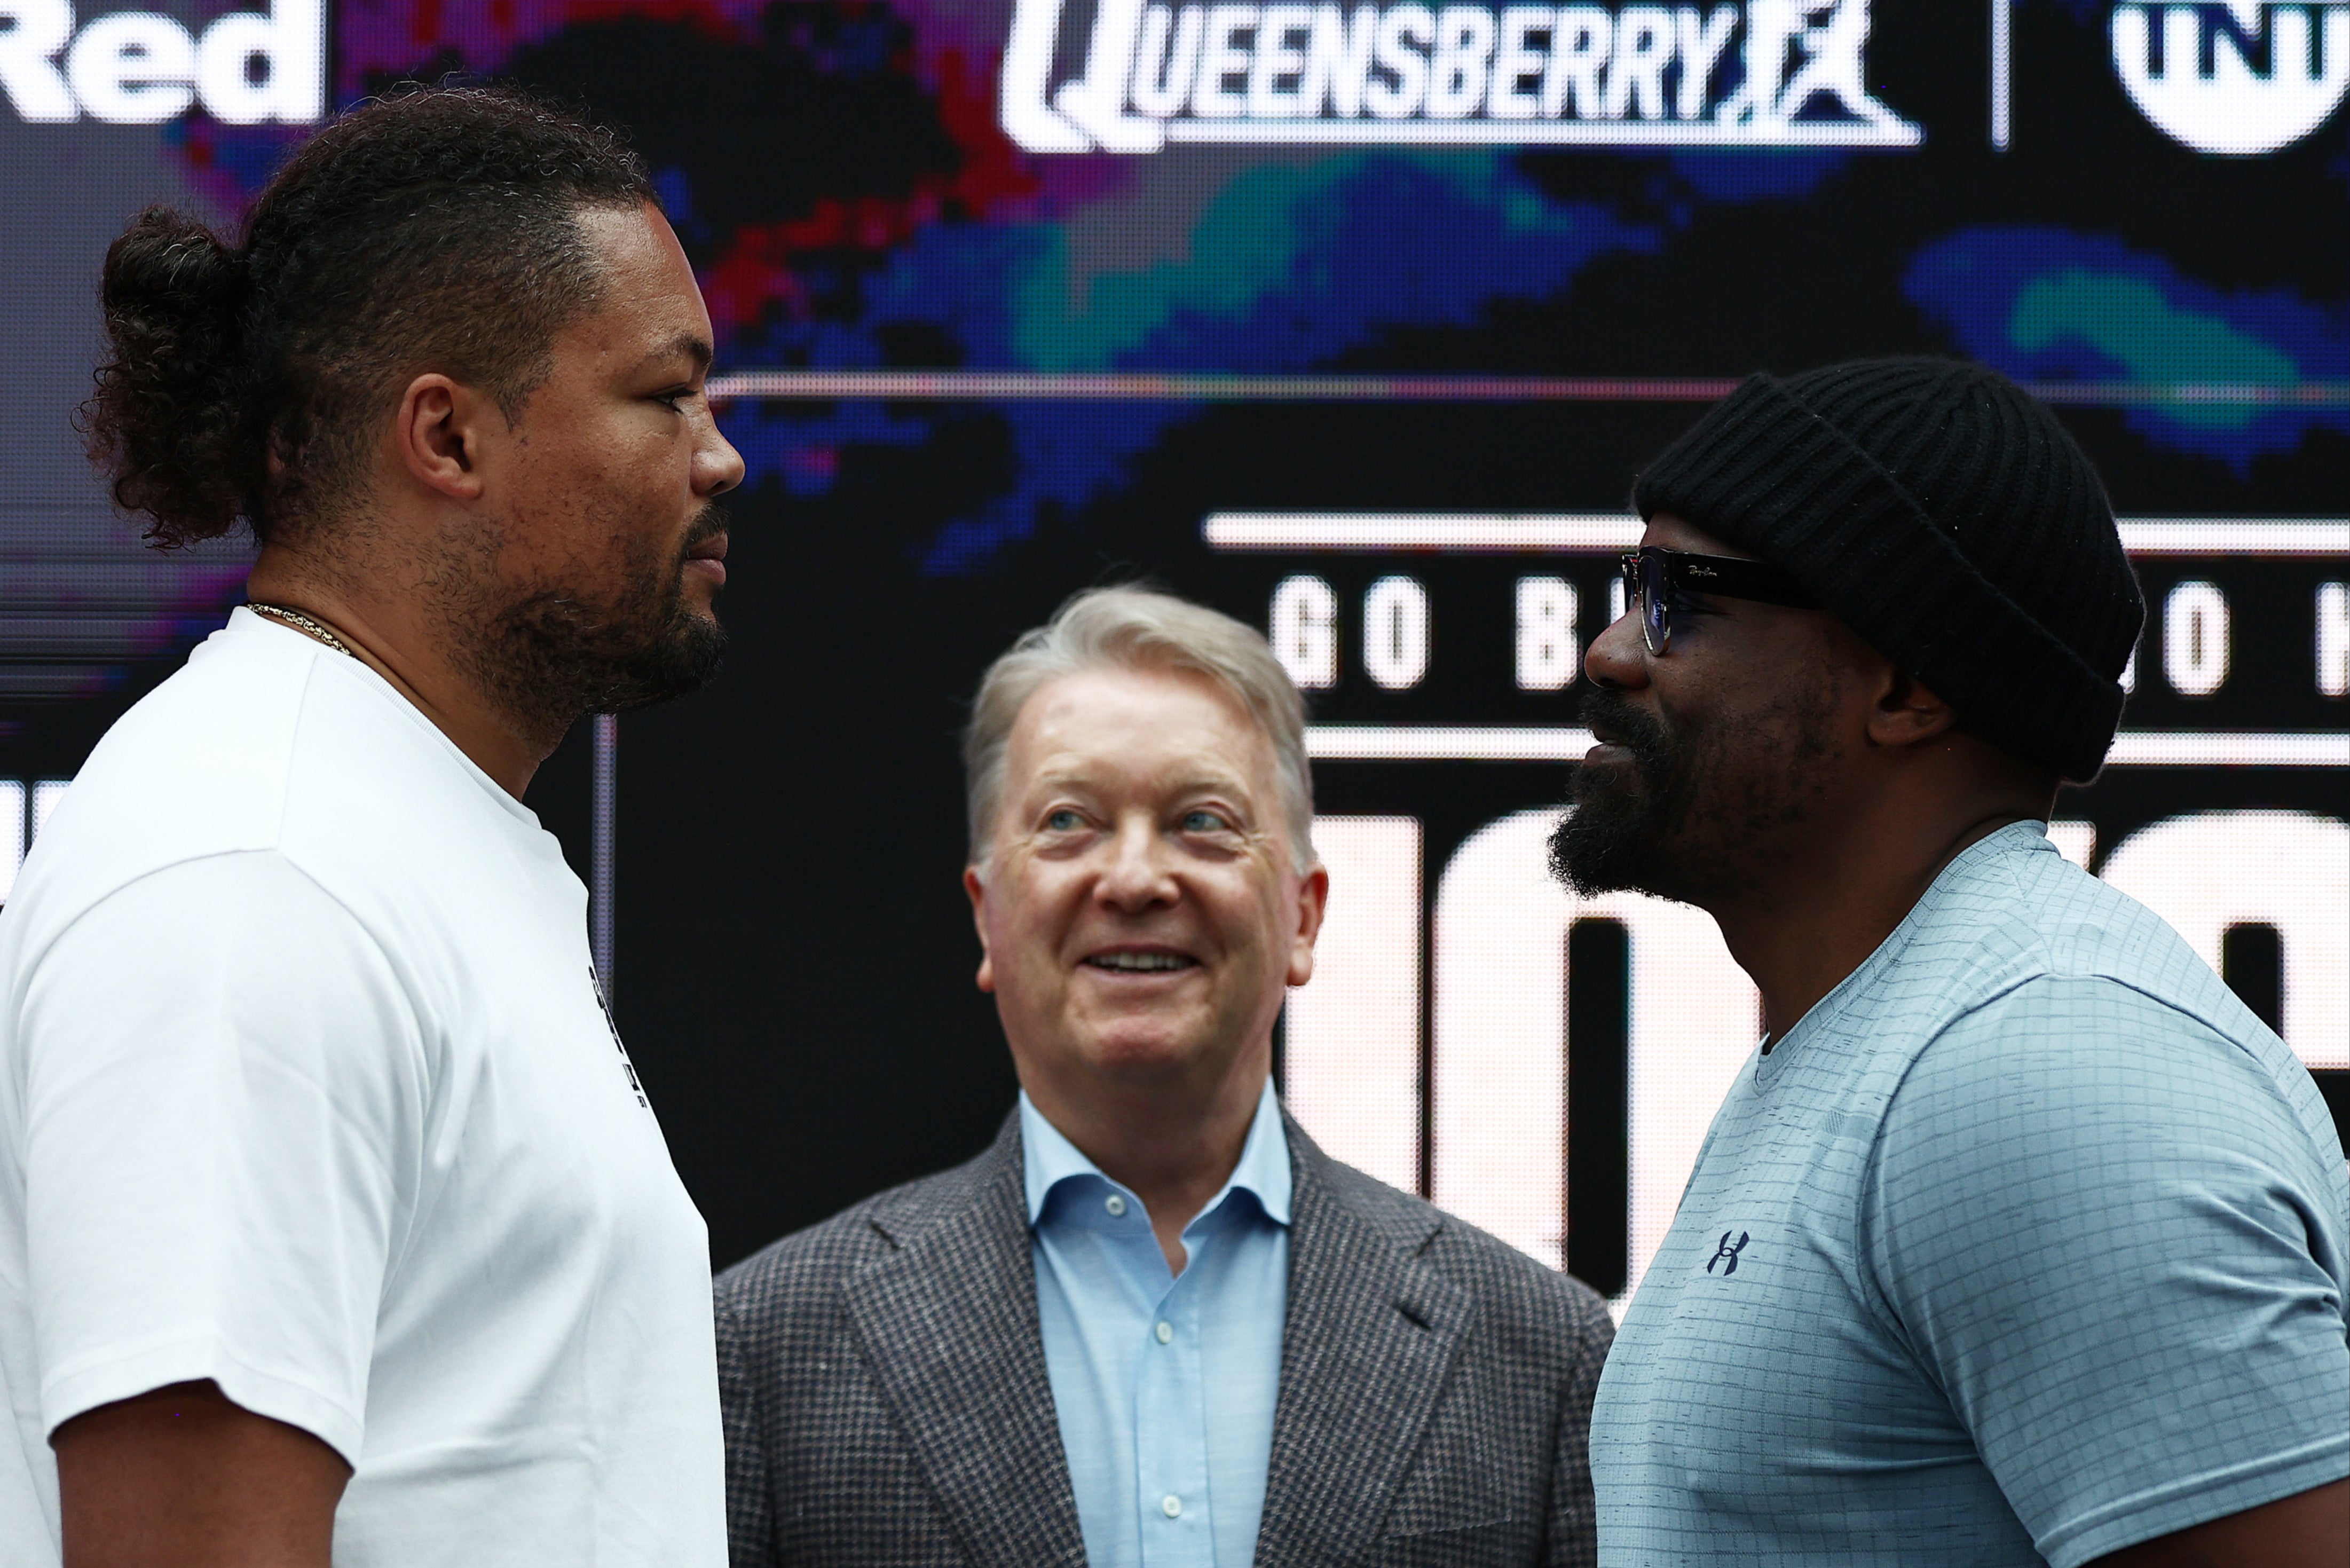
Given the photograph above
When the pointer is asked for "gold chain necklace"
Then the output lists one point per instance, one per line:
(295, 618)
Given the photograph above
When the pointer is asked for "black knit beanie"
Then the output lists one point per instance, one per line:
(1938, 510)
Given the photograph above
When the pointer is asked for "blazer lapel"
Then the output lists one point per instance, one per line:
(949, 1323)
(1370, 1338)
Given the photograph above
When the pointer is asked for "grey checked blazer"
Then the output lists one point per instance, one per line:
(886, 1404)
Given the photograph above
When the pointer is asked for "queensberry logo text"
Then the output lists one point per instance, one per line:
(1761, 73)
(136, 68)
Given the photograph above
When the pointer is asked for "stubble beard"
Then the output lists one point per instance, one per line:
(1695, 815)
(550, 654)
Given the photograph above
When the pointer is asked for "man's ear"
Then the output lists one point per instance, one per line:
(1906, 711)
(438, 435)
(1313, 902)
(975, 888)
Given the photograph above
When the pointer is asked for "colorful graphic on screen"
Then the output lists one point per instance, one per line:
(1358, 318)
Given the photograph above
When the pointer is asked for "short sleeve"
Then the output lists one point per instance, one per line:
(2104, 1234)
(223, 1092)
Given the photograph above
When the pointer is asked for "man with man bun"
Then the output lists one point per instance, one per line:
(334, 1221)
(2020, 1239)
(1153, 1325)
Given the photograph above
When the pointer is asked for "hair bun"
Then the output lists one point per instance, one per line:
(166, 417)
(431, 229)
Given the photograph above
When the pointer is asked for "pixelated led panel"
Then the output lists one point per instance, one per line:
(1488, 1091)
(1284, 187)
(1350, 1062)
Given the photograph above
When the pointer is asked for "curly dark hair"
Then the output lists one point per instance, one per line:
(433, 229)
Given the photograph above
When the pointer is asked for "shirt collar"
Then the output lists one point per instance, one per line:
(1048, 1160)
(2029, 836)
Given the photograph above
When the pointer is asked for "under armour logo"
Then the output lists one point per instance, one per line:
(1723, 1252)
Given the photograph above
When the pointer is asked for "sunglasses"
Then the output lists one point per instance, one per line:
(1654, 576)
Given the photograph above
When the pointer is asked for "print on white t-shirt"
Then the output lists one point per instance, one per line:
(299, 1092)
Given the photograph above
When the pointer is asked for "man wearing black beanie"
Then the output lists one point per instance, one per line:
(2020, 1239)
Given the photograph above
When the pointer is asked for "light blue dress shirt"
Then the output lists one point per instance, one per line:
(1164, 1385)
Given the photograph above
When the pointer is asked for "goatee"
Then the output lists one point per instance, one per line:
(1625, 814)
(1698, 811)
(557, 653)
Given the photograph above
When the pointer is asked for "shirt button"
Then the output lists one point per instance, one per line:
(1116, 1205)
(1171, 1506)
(1165, 1334)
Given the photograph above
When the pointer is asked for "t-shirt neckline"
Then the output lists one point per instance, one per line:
(371, 681)
(1999, 842)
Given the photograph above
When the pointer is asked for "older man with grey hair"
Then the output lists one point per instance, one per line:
(1152, 1323)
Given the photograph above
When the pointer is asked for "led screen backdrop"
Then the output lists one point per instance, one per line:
(1357, 320)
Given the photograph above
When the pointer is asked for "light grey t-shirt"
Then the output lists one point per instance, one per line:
(2028, 1242)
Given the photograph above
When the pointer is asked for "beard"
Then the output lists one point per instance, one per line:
(551, 654)
(1693, 816)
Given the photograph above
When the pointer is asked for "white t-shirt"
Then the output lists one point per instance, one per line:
(305, 1087)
